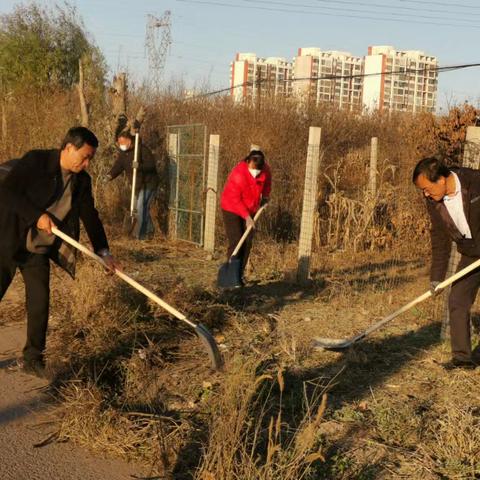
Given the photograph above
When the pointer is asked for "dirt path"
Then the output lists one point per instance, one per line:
(23, 408)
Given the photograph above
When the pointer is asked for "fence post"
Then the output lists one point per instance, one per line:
(471, 159)
(211, 197)
(372, 182)
(309, 203)
(172, 149)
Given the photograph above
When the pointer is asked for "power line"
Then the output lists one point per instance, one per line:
(394, 14)
(323, 14)
(449, 68)
(444, 4)
(390, 7)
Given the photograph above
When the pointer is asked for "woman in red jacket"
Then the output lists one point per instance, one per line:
(248, 186)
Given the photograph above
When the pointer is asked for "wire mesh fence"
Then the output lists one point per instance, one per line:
(187, 146)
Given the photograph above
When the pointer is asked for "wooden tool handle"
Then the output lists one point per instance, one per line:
(124, 277)
(134, 175)
(247, 232)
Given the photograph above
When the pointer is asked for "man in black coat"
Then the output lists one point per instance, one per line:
(46, 188)
(146, 180)
(453, 203)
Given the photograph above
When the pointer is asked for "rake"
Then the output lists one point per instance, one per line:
(341, 343)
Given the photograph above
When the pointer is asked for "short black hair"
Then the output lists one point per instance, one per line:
(257, 157)
(78, 137)
(432, 167)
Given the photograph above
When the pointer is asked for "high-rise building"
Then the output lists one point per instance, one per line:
(328, 76)
(385, 80)
(399, 80)
(253, 77)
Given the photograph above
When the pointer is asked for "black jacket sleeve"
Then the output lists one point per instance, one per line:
(118, 167)
(17, 176)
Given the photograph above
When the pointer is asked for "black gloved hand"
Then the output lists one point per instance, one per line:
(264, 201)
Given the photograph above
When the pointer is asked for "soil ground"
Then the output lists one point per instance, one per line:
(392, 408)
(26, 417)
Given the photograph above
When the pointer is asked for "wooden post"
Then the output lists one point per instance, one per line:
(211, 200)
(119, 94)
(471, 159)
(81, 95)
(309, 204)
(4, 122)
(372, 183)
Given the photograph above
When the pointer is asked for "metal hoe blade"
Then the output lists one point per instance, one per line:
(211, 346)
(336, 343)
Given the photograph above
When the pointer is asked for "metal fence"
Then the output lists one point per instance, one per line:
(187, 152)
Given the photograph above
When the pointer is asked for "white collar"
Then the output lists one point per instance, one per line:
(458, 188)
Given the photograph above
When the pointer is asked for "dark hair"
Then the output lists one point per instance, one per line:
(257, 157)
(78, 136)
(432, 167)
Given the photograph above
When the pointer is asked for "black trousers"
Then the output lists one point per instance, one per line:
(235, 227)
(35, 270)
(462, 297)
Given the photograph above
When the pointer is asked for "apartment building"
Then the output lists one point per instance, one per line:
(328, 76)
(399, 80)
(253, 77)
(384, 80)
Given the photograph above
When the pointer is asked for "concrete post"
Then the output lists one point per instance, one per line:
(471, 159)
(309, 204)
(372, 182)
(172, 149)
(211, 200)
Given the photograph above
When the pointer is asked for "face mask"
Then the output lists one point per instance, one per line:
(254, 172)
(123, 148)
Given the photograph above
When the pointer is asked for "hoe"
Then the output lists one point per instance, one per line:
(341, 343)
(202, 332)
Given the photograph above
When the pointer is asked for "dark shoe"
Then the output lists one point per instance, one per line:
(455, 364)
(35, 367)
(476, 355)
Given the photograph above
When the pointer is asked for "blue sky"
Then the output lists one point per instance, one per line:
(207, 34)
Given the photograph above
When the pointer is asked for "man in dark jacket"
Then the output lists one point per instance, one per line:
(146, 180)
(453, 203)
(43, 189)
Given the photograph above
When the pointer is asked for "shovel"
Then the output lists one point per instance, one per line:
(202, 331)
(341, 343)
(229, 272)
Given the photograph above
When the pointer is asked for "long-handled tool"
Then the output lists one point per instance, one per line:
(135, 166)
(229, 274)
(202, 331)
(341, 343)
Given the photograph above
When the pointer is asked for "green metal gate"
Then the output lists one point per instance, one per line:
(187, 153)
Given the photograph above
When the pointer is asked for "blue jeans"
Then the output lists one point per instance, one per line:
(144, 226)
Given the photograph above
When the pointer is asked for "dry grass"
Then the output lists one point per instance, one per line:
(250, 438)
(133, 382)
